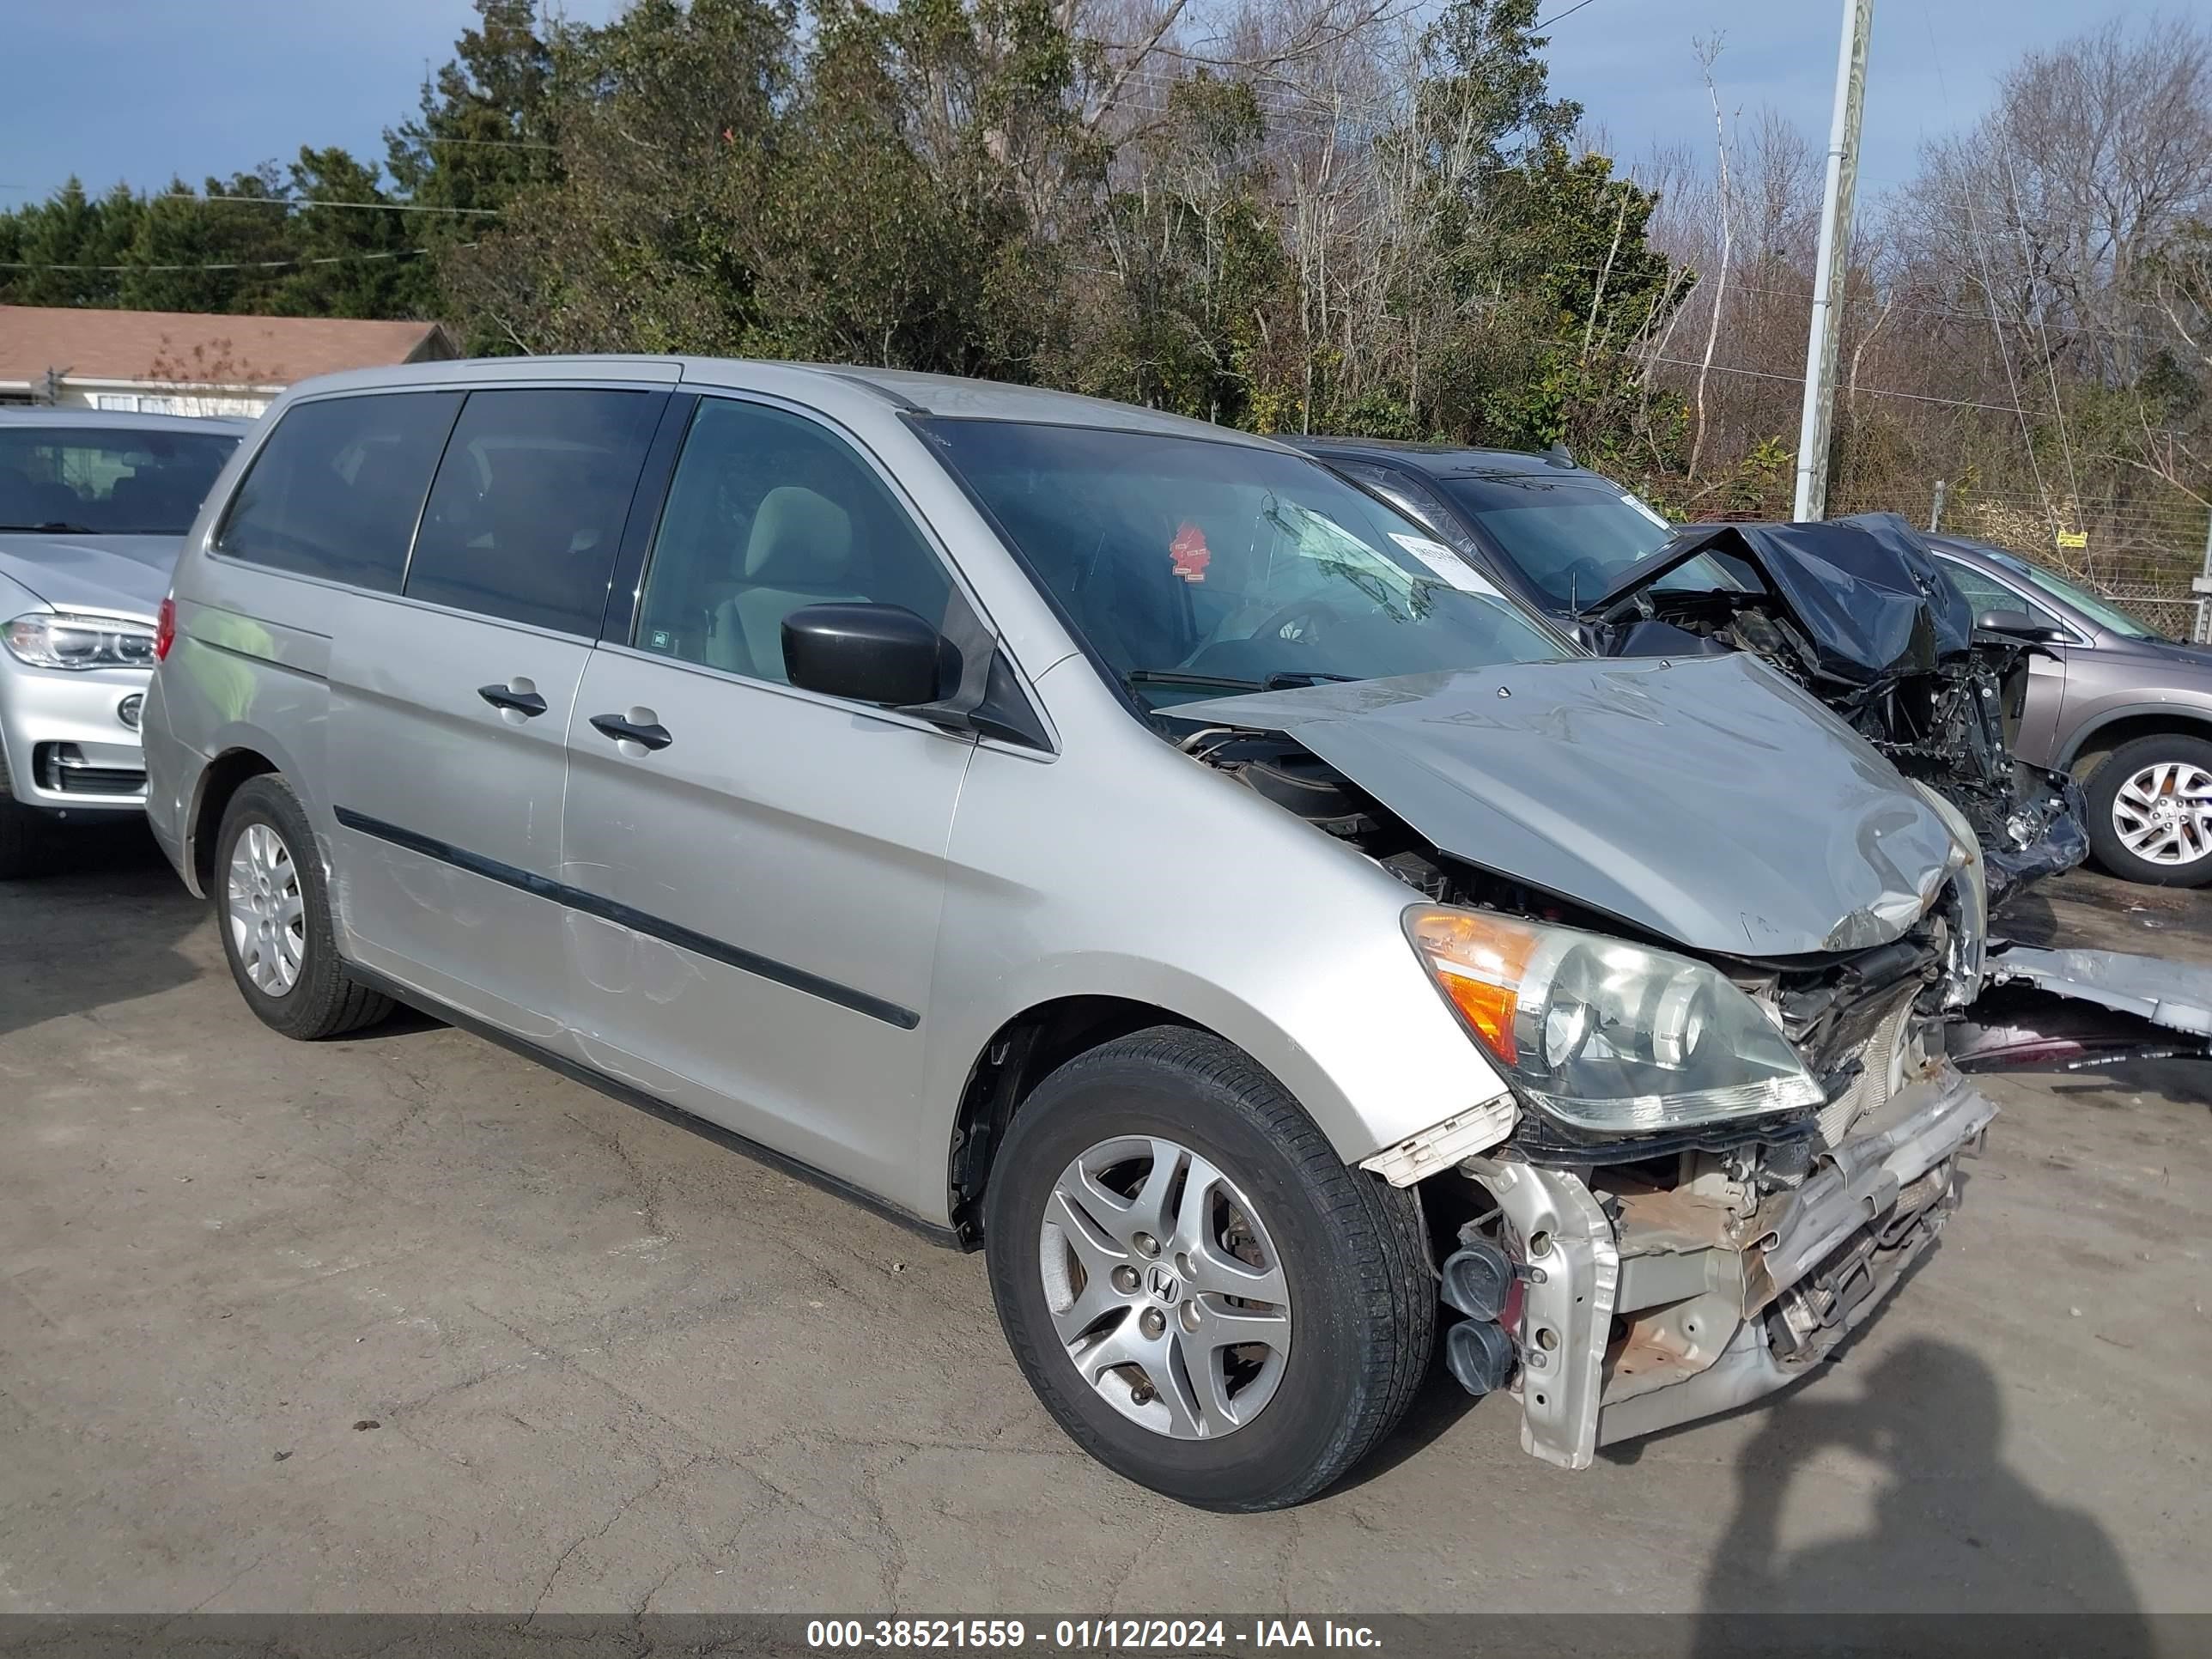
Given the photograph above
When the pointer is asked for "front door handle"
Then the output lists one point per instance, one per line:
(516, 697)
(647, 734)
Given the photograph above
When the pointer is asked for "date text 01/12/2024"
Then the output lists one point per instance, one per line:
(1086, 1635)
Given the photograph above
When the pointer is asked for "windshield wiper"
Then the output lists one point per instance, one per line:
(1177, 676)
(60, 526)
(1282, 680)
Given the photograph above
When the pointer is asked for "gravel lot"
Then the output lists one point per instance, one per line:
(404, 1323)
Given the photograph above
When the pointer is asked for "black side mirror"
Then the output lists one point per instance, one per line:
(2017, 625)
(867, 653)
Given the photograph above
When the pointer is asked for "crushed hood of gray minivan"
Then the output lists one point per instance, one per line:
(1708, 801)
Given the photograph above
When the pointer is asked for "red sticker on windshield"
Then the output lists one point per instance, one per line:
(1190, 553)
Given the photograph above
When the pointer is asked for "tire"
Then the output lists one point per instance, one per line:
(1350, 1249)
(320, 1000)
(22, 834)
(2138, 771)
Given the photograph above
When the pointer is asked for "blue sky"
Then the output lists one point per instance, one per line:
(1932, 67)
(141, 89)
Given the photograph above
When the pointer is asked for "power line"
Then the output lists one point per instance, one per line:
(1870, 391)
(429, 142)
(238, 264)
(290, 205)
(1952, 313)
(1546, 23)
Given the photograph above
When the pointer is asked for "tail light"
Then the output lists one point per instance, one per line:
(165, 627)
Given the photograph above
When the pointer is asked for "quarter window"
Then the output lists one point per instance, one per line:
(528, 507)
(335, 491)
(769, 513)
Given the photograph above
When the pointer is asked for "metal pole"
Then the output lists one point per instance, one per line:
(2199, 633)
(1834, 259)
(1936, 513)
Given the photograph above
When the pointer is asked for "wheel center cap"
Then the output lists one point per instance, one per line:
(1166, 1288)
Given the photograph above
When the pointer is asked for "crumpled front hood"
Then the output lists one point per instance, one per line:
(1706, 800)
(1869, 600)
(98, 573)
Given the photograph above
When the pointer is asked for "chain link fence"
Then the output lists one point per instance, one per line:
(2143, 555)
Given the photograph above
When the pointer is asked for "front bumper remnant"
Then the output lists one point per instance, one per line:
(2075, 1008)
(1643, 1310)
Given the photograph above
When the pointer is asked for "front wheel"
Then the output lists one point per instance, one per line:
(1200, 1292)
(2150, 810)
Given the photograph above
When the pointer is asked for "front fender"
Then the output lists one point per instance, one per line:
(1371, 1055)
(1209, 903)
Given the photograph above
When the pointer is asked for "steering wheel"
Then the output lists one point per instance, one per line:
(1298, 611)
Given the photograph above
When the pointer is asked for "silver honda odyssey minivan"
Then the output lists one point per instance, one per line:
(1112, 841)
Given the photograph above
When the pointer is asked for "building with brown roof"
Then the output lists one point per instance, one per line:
(188, 362)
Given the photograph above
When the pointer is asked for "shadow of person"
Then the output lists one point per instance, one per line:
(1952, 1529)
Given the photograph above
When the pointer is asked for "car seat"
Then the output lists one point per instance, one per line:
(798, 552)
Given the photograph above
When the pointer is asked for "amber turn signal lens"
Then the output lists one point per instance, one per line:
(1479, 962)
(1488, 1009)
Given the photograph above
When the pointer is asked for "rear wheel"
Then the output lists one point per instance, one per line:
(1206, 1296)
(274, 911)
(2150, 810)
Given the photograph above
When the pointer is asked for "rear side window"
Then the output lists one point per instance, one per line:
(335, 491)
(527, 510)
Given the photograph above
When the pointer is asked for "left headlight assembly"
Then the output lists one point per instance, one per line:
(1604, 1036)
(59, 640)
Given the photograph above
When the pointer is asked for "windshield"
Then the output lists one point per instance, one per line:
(1194, 567)
(1574, 536)
(2103, 612)
(109, 482)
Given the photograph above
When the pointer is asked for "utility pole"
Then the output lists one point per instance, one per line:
(1835, 258)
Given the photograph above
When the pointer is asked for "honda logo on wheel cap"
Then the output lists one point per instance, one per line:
(1165, 1285)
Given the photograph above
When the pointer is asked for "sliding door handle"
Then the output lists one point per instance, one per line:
(648, 733)
(516, 696)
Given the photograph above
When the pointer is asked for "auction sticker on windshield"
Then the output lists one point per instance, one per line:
(1447, 564)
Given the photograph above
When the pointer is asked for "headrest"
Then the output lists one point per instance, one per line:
(798, 539)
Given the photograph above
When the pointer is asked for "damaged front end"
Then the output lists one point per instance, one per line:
(1732, 966)
(1654, 1292)
(1714, 944)
(1648, 1278)
(1859, 613)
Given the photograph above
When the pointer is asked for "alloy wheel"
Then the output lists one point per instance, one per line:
(2163, 813)
(266, 910)
(1165, 1288)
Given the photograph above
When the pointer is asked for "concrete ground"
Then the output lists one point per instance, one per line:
(403, 1323)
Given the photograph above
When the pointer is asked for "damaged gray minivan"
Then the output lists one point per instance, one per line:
(1116, 842)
